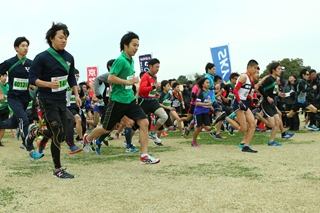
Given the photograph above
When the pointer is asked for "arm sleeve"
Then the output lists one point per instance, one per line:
(235, 91)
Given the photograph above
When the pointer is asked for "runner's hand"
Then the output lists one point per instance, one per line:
(54, 84)
(135, 80)
(78, 101)
(242, 106)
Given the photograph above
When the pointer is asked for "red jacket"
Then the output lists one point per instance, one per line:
(148, 86)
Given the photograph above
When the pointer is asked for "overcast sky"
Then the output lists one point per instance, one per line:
(178, 33)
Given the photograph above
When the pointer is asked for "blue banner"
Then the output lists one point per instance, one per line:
(221, 58)
(143, 60)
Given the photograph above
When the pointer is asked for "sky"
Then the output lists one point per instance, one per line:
(178, 33)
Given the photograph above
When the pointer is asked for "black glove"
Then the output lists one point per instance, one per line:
(99, 96)
(242, 106)
(255, 100)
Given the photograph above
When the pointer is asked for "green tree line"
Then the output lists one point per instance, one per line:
(291, 66)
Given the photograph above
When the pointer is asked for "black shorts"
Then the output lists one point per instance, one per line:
(4, 114)
(54, 113)
(116, 111)
(296, 106)
(74, 111)
(191, 109)
(202, 119)
(268, 109)
(149, 106)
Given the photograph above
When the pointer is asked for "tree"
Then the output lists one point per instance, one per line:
(182, 79)
(291, 66)
(197, 75)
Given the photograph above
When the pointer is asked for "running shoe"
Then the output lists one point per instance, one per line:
(194, 144)
(74, 149)
(248, 149)
(125, 144)
(164, 134)
(274, 143)
(131, 149)
(220, 117)
(287, 135)
(186, 133)
(61, 173)
(313, 128)
(87, 143)
(230, 129)
(157, 144)
(34, 155)
(154, 137)
(117, 136)
(1, 144)
(218, 136)
(98, 146)
(31, 136)
(149, 160)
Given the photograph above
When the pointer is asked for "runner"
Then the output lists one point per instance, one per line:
(269, 91)
(52, 71)
(123, 102)
(241, 107)
(148, 98)
(18, 94)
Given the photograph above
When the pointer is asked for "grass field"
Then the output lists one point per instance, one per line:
(217, 177)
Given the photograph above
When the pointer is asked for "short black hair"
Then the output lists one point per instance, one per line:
(153, 61)
(233, 75)
(109, 63)
(312, 71)
(252, 62)
(209, 66)
(76, 71)
(303, 72)
(174, 85)
(273, 66)
(216, 78)
(201, 81)
(19, 40)
(164, 83)
(126, 39)
(51, 33)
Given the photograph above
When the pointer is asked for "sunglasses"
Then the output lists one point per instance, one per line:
(307, 74)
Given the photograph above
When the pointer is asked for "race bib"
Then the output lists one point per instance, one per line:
(207, 101)
(62, 83)
(275, 90)
(176, 103)
(152, 93)
(167, 103)
(129, 86)
(72, 99)
(230, 96)
(20, 84)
